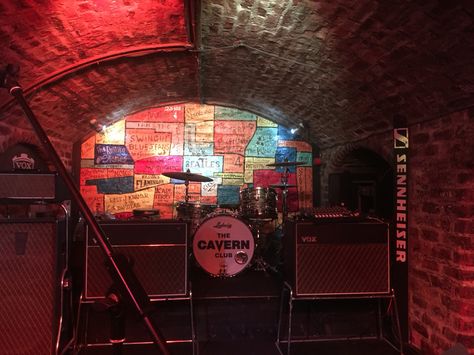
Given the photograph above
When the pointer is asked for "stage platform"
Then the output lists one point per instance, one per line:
(240, 315)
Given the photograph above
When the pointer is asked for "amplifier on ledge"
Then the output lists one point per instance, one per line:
(341, 258)
(28, 187)
(157, 251)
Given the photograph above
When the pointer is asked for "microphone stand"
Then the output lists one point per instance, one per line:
(120, 272)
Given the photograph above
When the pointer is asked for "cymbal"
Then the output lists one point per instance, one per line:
(287, 163)
(282, 186)
(186, 176)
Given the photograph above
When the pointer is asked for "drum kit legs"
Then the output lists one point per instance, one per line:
(225, 243)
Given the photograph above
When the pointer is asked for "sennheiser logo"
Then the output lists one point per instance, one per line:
(400, 138)
(23, 162)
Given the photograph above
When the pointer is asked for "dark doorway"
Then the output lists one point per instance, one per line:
(363, 182)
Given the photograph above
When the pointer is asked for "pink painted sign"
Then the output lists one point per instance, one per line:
(158, 165)
(299, 145)
(305, 186)
(102, 173)
(232, 136)
(87, 148)
(173, 113)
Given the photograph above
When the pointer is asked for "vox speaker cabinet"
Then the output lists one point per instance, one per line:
(337, 258)
(157, 252)
(28, 187)
(31, 264)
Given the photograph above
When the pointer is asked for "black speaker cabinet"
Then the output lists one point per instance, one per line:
(157, 251)
(27, 187)
(337, 258)
(29, 285)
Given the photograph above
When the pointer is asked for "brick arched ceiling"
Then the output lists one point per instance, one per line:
(342, 68)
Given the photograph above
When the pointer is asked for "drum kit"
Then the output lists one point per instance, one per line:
(228, 239)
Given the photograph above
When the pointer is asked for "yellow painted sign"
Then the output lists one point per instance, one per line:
(116, 203)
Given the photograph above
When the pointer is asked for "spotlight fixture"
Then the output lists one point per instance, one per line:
(96, 126)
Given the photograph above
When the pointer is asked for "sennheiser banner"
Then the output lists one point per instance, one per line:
(399, 242)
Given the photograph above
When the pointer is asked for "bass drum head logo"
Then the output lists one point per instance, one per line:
(223, 245)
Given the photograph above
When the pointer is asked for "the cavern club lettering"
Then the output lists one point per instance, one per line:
(401, 196)
(223, 246)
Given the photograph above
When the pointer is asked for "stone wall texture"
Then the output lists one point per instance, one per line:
(441, 226)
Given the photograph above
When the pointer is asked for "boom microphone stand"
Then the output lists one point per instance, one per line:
(118, 269)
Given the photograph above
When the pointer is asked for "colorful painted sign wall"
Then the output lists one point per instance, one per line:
(121, 168)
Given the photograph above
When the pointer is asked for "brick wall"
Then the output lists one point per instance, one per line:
(441, 227)
(442, 233)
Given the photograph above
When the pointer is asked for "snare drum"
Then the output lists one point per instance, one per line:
(223, 245)
(258, 203)
(193, 212)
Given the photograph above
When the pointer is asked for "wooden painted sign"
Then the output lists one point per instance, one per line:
(233, 163)
(102, 173)
(87, 148)
(263, 143)
(175, 129)
(114, 134)
(299, 145)
(116, 203)
(304, 178)
(232, 136)
(115, 185)
(228, 113)
(210, 188)
(199, 113)
(111, 154)
(93, 199)
(254, 163)
(203, 165)
(143, 143)
(158, 165)
(169, 114)
(144, 180)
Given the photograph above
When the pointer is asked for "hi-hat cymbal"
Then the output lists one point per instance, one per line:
(282, 186)
(287, 163)
(186, 176)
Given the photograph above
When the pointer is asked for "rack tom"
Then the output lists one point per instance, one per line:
(258, 203)
(194, 213)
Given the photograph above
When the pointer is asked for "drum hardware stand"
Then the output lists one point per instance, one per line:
(260, 263)
(284, 186)
(113, 304)
(120, 272)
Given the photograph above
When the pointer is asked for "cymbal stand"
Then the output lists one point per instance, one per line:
(260, 245)
(186, 188)
(284, 195)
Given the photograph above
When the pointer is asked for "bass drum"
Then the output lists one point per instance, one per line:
(223, 246)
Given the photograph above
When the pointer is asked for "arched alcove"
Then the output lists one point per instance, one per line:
(362, 180)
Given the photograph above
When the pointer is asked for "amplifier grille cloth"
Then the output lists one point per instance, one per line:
(341, 268)
(160, 269)
(27, 289)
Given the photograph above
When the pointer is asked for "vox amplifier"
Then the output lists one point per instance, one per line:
(30, 288)
(157, 252)
(337, 258)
